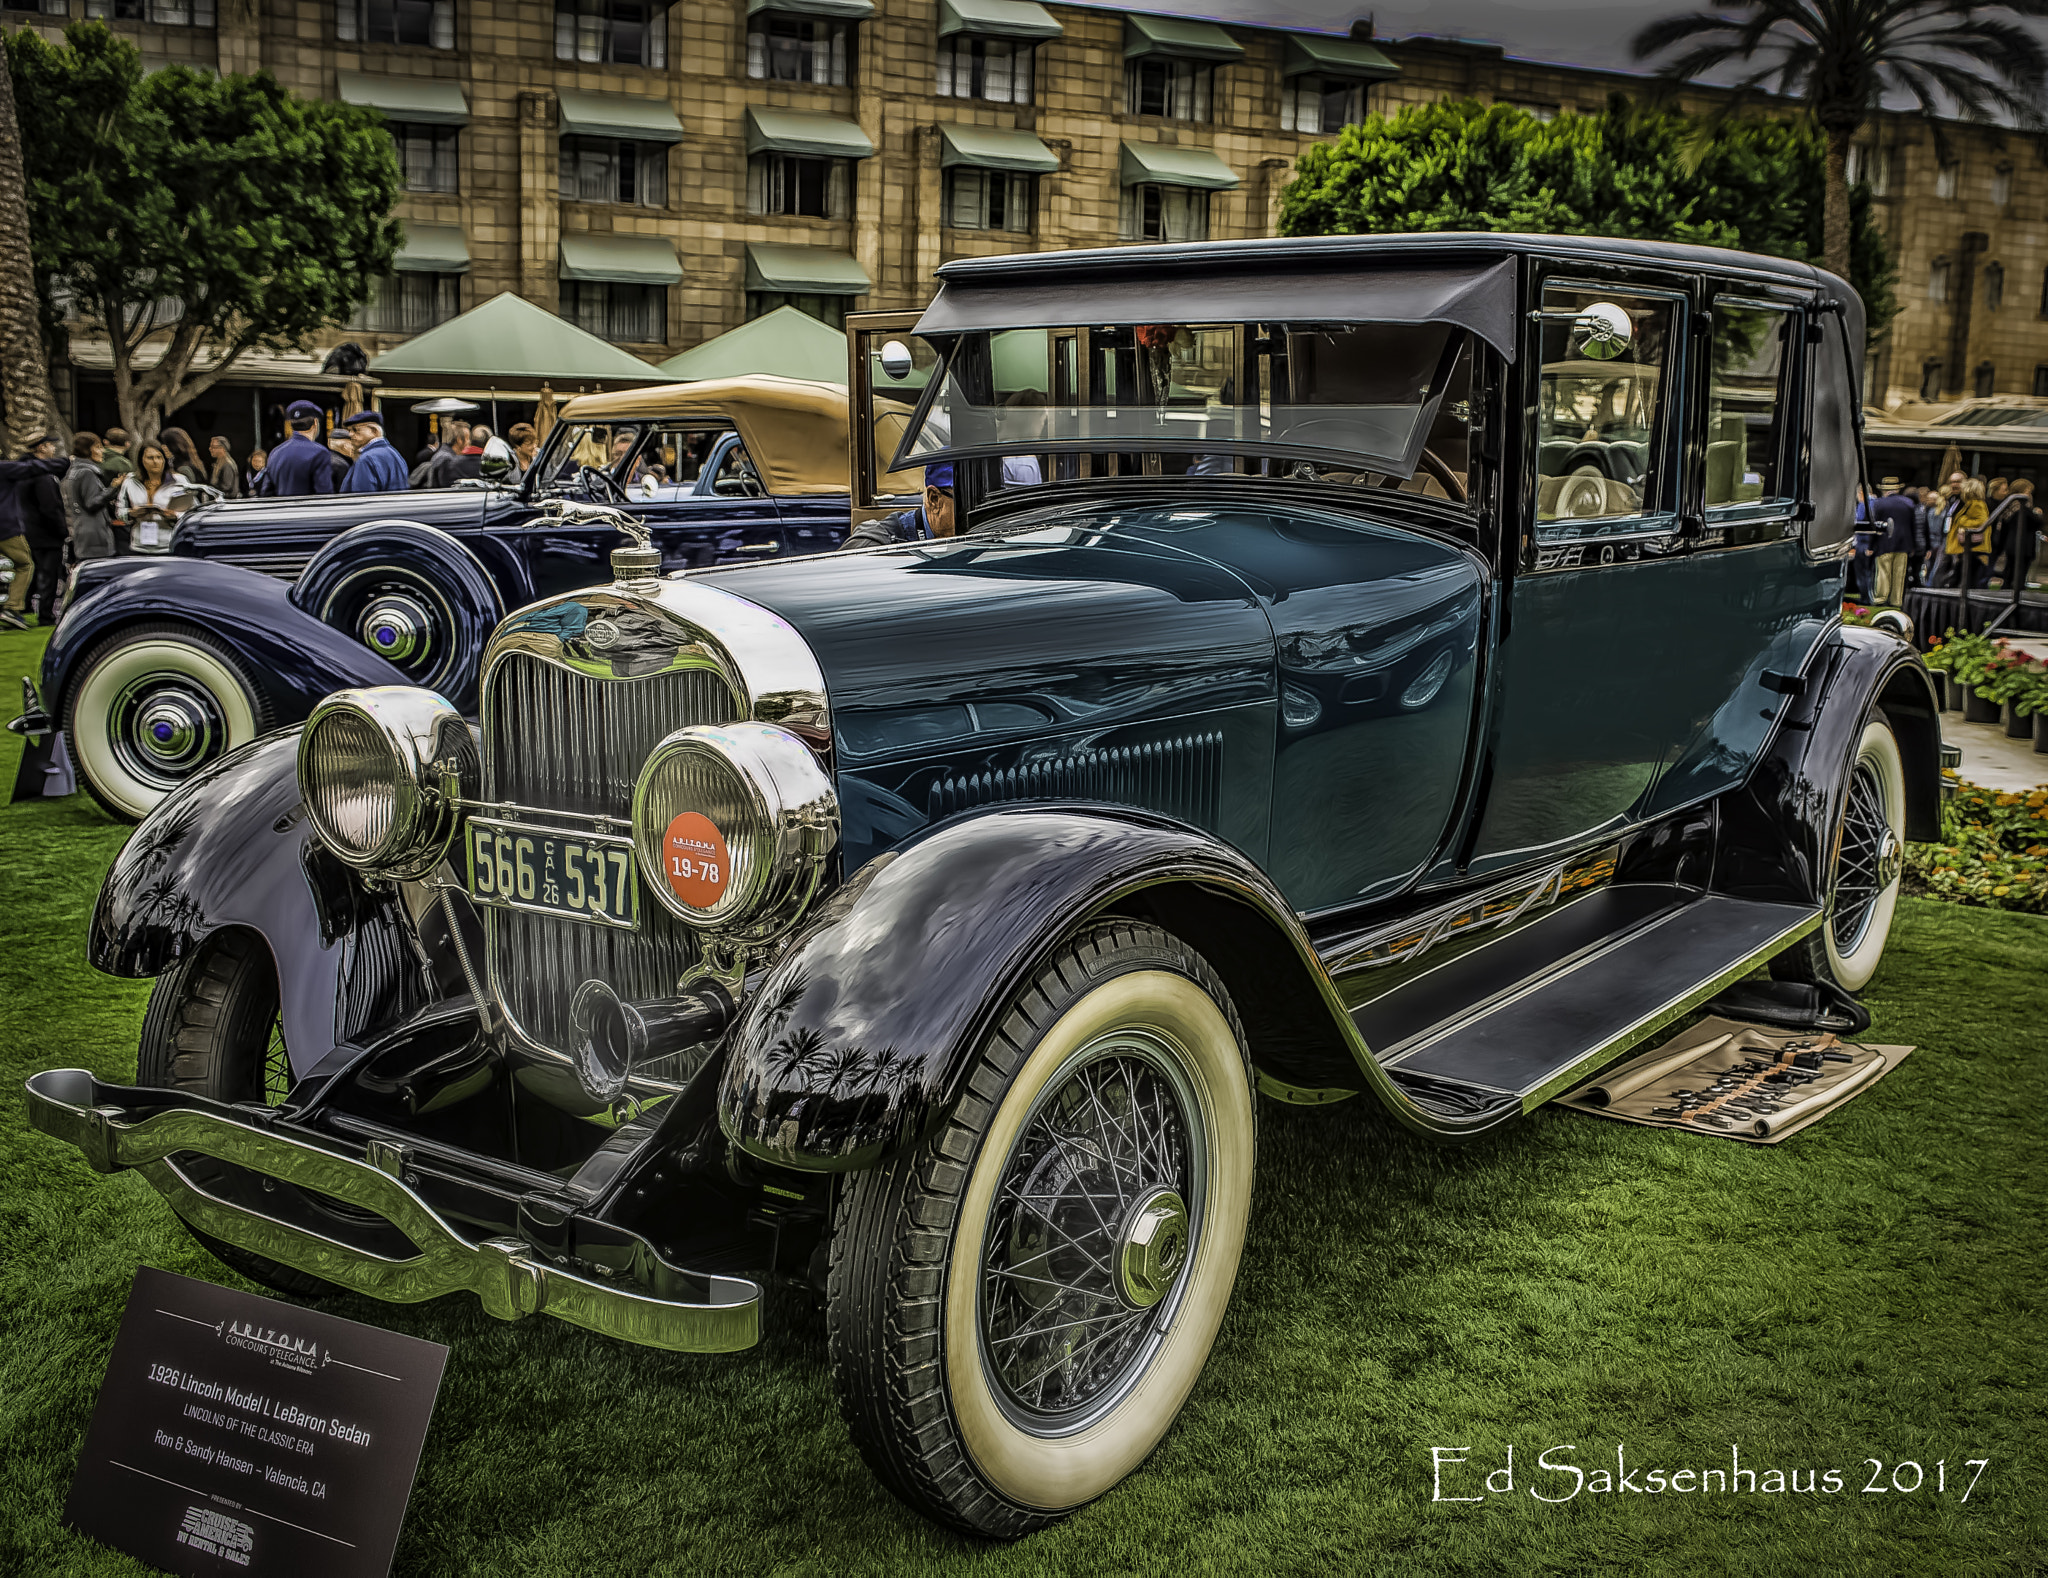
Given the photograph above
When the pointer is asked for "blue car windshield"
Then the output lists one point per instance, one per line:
(1355, 395)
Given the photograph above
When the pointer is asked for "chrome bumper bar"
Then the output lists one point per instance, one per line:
(508, 1275)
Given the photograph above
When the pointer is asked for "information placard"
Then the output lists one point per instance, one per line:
(238, 1434)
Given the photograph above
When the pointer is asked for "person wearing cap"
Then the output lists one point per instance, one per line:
(27, 487)
(379, 468)
(39, 508)
(933, 518)
(1894, 515)
(301, 465)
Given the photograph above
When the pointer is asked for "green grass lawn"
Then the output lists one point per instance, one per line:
(1870, 1289)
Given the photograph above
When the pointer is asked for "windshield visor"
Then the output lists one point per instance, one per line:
(1355, 395)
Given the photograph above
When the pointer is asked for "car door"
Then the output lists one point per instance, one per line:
(721, 515)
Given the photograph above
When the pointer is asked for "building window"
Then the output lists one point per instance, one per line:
(1165, 213)
(167, 13)
(427, 156)
(612, 32)
(612, 170)
(990, 200)
(1994, 286)
(2001, 185)
(799, 49)
(782, 183)
(1937, 280)
(995, 69)
(1871, 167)
(1947, 179)
(1178, 89)
(408, 303)
(1930, 379)
(1983, 379)
(427, 23)
(1324, 104)
(618, 312)
(40, 7)
(826, 309)
(2041, 383)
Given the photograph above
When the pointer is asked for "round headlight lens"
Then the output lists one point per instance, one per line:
(381, 771)
(732, 825)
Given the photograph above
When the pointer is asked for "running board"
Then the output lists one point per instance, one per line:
(1465, 1046)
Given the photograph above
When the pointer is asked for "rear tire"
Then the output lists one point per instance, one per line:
(212, 1029)
(1089, 1192)
(1864, 870)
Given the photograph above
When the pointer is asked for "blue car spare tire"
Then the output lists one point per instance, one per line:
(151, 706)
(414, 595)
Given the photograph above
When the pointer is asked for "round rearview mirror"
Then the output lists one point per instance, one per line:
(895, 359)
(1602, 332)
(498, 461)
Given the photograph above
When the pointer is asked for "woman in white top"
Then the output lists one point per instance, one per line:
(145, 500)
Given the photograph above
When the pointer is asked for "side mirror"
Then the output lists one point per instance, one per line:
(895, 360)
(498, 461)
(1602, 332)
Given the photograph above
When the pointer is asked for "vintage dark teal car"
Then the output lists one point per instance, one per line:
(1406, 666)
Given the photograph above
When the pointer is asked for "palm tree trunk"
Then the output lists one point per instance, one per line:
(1835, 203)
(24, 369)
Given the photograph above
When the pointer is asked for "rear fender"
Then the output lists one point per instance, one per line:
(232, 847)
(856, 1043)
(1777, 830)
(291, 656)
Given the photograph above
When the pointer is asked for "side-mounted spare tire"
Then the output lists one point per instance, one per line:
(411, 593)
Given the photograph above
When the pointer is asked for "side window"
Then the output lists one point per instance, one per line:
(1748, 399)
(671, 463)
(1599, 420)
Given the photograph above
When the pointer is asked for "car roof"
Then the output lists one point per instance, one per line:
(795, 430)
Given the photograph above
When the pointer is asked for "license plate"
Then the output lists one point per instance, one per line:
(550, 871)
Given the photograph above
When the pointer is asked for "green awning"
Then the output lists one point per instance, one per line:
(417, 101)
(1155, 163)
(630, 260)
(1337, 57)
(432, 249)
(997, 19)
(799, 131)
(842, 10)
(786, 342)
(995, 148)
(801, 270)
(617, 115)
(509, 337)
(1179, 37)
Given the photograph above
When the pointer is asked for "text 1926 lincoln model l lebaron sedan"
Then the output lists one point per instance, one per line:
(1416, 671)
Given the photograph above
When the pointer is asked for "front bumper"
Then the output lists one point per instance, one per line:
(119, 1126)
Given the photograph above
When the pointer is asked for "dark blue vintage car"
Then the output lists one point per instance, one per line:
(261, 607)
(1415, 670)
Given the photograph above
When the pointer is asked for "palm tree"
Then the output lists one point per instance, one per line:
(24, 373)
(1844, 56)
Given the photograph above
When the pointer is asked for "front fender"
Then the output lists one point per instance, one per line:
(854, 1045)
(233, 847)
(295, 658)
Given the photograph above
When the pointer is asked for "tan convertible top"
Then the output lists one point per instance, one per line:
(795, 430)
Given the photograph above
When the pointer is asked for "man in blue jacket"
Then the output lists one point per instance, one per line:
(934, 518)
(379, 468)
(301, 464)
(1894, 514)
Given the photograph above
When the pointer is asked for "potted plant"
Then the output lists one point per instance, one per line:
(1970, 656)
(2003, 678)
(1941, 658)
(2030, 701)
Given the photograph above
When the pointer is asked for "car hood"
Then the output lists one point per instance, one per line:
(232, 519)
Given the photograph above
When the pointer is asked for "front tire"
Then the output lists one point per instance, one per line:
(1019, 1307)
(152, 706)
(212, 1029)
(1864, 871)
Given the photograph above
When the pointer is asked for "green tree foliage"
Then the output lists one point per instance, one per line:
(179, 212)
(1635, 172)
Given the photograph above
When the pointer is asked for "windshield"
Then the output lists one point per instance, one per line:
(1177, 397)
(647, 460)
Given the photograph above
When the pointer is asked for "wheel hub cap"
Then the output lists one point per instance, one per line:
(394, 626)
(1891, 858)
(163, 727)
(1152, 1249)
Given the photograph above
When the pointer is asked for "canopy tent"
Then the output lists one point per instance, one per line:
(506, 342)
(785, 342)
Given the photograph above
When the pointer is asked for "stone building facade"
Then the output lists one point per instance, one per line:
(661, 173)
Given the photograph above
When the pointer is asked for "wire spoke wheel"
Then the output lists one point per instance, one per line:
(1864, 870)
(1860, 868)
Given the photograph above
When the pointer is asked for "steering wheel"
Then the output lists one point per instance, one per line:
(602, 484)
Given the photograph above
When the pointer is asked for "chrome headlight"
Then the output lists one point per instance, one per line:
(733, 825)
(382, 772)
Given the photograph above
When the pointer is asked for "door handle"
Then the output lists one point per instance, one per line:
(759, 547)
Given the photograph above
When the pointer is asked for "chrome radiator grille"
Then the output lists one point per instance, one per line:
(559, 741)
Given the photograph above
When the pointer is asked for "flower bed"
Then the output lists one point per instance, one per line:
(1994, 851)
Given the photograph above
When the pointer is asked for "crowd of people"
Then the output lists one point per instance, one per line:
(1969, 532)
